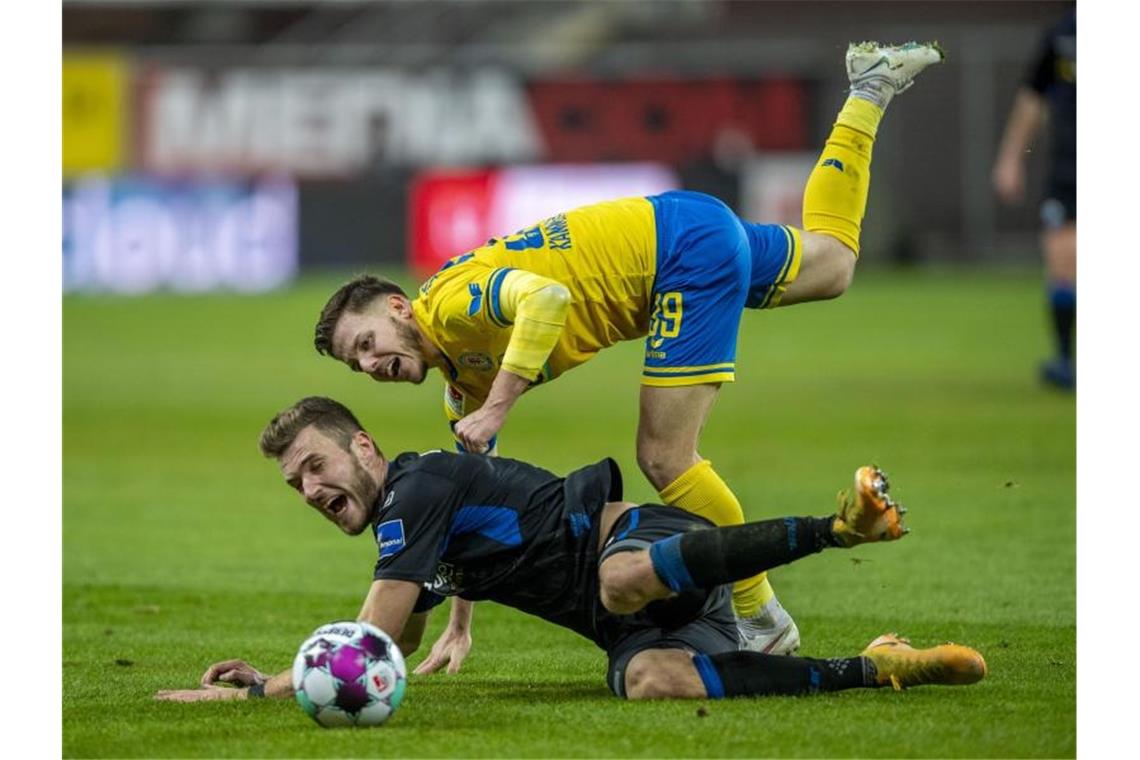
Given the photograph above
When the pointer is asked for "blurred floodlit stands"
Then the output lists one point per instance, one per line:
(234, 144)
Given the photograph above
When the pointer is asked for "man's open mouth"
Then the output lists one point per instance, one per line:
(337, 505)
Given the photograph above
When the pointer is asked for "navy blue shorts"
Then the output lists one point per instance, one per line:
(710, 266)
(699, 622)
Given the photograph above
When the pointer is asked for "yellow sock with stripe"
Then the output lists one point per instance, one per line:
(836, 194)
(701, 491)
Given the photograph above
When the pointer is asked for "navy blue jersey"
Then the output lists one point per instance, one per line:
(1053, 76)
(495, 528)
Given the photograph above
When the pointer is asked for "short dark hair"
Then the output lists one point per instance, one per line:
(353, 297)
(330, 417)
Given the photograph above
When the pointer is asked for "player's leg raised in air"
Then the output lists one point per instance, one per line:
(670, 635)
(793, 266)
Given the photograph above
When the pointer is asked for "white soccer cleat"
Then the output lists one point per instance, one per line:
(769, 631)
(872, 66)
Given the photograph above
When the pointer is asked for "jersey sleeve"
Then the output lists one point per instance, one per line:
(538, 307)
(411, 533)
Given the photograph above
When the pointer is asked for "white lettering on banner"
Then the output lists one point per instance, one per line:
(134, 236)
(333, 122)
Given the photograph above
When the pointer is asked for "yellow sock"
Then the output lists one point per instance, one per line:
(701, 491)
(836, 194)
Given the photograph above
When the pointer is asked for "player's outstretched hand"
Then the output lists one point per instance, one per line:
(199, 695)
(450, 649)
(233, 672)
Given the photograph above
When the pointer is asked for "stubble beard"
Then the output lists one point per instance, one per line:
(410, 336)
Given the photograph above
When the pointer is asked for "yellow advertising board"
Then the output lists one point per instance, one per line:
(95, 112)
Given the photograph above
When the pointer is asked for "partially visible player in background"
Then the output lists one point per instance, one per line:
(677, 269)
(1049, 93)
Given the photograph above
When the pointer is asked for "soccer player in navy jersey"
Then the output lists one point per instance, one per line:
(649, 584)
(1049, 93)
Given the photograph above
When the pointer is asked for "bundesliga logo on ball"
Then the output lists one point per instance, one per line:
(349, 674)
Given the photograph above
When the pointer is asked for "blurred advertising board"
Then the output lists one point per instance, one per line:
(672, 120)
(772, 187)
(96, 90)
(136, 235)
(454, 211)
(330, 122)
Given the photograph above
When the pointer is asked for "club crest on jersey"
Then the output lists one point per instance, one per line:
(390, 537)
(477, 361)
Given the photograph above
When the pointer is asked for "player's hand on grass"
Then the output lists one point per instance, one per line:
(450, 649)
(203, 694)
(234, 673)
(476, 430)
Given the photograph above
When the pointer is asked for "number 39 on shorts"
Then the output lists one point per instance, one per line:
(668, 310)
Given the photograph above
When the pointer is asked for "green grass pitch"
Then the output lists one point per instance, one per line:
(182, 546)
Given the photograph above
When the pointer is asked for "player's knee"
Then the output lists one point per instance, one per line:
(649, 677)
(660, 463)
(620, 587)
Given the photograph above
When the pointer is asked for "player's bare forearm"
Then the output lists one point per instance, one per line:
(389, 606)
(505, 391)
(280, 685)
(461, 612)
(1025, 120)
(476, 430)
(413, 634)
(232, 679)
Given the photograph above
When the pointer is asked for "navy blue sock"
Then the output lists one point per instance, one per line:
(702, 559)
(743, 674)
(1063, 309)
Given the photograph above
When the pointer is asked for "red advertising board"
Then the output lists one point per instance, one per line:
(671, 120)
(451, 212)
(448, 214)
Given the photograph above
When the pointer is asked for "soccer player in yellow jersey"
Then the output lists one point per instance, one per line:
(676, 269)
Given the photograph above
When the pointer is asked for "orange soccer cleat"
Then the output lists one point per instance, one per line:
(868, 513)
(899, 664)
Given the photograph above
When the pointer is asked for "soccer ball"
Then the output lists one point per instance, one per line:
(349, 674)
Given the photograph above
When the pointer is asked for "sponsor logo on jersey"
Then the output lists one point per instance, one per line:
(388, 499)
(390, 537)
(475, 360)
(654, 354)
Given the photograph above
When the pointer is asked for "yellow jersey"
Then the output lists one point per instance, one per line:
(606, 256)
